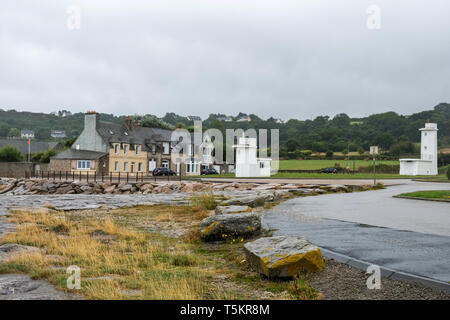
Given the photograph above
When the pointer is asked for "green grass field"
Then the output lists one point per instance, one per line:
(431, 194)
(313, 175)
(320, 164)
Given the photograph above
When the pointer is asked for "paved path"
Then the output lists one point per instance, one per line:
(372, 226)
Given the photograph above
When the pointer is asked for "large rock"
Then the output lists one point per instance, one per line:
(336, 188)
(232, 209)
(221, 227)
(124, 187)
(251, 200)
(283, 256)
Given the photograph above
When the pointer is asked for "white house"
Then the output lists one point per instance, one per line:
(247, 164)
(26, 134)
(427, 164)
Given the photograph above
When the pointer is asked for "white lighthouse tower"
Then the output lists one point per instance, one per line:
(427, 164)
(247, 164)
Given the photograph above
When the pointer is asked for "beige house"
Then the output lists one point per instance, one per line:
(129, 148)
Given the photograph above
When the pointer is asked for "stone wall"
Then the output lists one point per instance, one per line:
(17, 169)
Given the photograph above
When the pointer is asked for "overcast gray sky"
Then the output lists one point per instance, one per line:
(287, 59)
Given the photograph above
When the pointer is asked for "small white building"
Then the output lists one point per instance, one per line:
(26, 134)
(427, 164)
(247, 164)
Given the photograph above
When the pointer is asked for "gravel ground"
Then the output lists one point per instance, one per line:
(338, 281)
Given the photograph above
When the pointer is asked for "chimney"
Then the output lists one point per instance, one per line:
(128, 123)
(91, 121)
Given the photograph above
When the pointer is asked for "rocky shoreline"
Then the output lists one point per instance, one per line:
(43, 186)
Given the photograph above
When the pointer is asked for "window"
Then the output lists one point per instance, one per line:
(116, 166)
(125, 149)
(165, 164)
(153, 148)
(125, 166)
(83, 164)
(116, 148)
(261, 165)
(140, 166)
(137, 149)
(193, 167)
(165, 148)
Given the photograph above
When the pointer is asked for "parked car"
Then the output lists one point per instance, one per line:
(163, 172)
(329, 170)
(209, 171)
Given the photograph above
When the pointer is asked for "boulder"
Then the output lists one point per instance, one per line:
(283, 256)
(252, 201)
(223, 226)
(162, 189)
(8, 188)
(337, 188)
(232, 209)
(124, 187)
(110, 188)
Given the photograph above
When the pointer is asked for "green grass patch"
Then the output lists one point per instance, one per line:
(314, 175)
(431, 194)
(320, 164)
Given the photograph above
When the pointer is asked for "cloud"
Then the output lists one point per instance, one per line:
(290, 59)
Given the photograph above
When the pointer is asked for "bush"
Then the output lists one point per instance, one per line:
(45, 158)
(10, 154)
(448, 172)
(36, 157)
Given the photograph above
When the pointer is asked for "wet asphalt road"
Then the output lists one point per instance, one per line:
(405, 235)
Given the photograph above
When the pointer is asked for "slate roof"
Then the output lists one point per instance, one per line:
(35, 146)
(114, 133)
(70, 154)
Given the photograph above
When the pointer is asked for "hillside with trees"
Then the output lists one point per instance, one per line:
(397, 134)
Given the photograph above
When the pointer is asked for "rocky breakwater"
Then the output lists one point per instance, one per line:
(266, 192)
(35, 186)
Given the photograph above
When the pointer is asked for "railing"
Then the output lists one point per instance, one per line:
(116, 177)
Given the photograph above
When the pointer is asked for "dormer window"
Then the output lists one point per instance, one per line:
(116, 148)
(125, 133)
(125, 149)
(137, 149)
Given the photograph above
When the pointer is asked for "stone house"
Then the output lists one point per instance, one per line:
(128, 147)
(80, 161)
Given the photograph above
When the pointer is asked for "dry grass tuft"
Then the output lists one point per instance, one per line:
(206, 201)
(157, 267)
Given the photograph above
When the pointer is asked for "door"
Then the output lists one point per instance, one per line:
(151, 165)
(132, 168)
